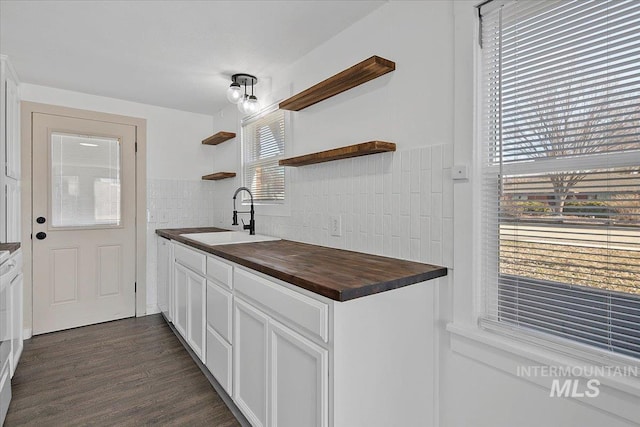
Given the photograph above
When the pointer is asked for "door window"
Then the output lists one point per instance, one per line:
(85, 181)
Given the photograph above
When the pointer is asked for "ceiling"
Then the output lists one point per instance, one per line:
(176, 54)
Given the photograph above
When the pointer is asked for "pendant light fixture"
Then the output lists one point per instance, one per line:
(247, 104)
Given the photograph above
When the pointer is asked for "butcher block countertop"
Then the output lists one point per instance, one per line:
(11, 247)
(334, 273)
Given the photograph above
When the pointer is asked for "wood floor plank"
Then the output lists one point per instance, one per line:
(128, 372)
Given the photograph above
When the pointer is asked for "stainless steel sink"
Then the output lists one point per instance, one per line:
(228, 238)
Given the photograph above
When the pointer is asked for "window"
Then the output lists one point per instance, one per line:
(560, 160)
(263, 140)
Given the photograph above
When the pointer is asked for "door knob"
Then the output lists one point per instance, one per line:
(41, 235)
(41, 220)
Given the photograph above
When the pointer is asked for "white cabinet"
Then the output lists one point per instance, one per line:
(297, 368)
(164, 277)
(190, 298)
(16, 295)
(250, 342)
(180, 278)
(299, 372)
(289, 357)
(9, 153)
(219, 359)
(13, 129)
(196, 313)
(12, 188)
(219, 322)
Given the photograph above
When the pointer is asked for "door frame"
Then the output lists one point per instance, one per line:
(27, 109)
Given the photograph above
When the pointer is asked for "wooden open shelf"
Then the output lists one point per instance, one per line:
(219, 175)
(366, 70)
(362, 149)
(219, 138)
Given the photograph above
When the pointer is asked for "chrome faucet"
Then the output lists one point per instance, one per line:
(252, 223)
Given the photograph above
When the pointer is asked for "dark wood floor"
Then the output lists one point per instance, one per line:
(128, 372)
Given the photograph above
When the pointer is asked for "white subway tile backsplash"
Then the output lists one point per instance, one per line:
(436, 205)
(425, 158)
(447, 242)
(436, 229)
(436, 180)
(405, 203)
(415, 249)
(447, 155)
(405, 228)
(406, 160)
(436, 252)
(394, 204)
(436, 157)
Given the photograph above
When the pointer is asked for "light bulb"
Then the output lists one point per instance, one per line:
(252, 105)
(234, 94)
(246, 105)
(241, 104)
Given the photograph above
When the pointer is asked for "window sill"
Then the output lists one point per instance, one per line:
(618, 395)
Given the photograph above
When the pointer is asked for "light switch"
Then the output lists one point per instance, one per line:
(335, 225)
(459, 172)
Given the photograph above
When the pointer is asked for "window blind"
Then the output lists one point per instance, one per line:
(560, 151)
(263, 140)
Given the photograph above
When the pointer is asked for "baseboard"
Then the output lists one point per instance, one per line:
(26, 333)
(152, 309)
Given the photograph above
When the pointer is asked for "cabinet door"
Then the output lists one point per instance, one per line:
(196, 313)
(219, 360)
(180, 284)
(219, 307)
(16, 296)
(299, 373)
(163, 274)
(13, 131)
(13, 210)
(250, 364)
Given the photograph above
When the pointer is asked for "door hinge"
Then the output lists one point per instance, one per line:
(31, 236)
(136, 145)
(135, 287)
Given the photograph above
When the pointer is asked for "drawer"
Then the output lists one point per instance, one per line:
(219, 271)
(219, 303)
(284, 304)
(190, 258)
(219, 359)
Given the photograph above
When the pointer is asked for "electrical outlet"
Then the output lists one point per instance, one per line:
(335, 225)
(459, 172)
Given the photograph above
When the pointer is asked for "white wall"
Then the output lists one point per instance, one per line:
(396, 204)
(176, 160)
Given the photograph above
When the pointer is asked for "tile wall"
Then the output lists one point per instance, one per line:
(174, 204)
(394, 204)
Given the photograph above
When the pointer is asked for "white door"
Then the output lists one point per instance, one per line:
(83, 225)
(299, 373)
(180, 280)
(196, 313)
(250, 362)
